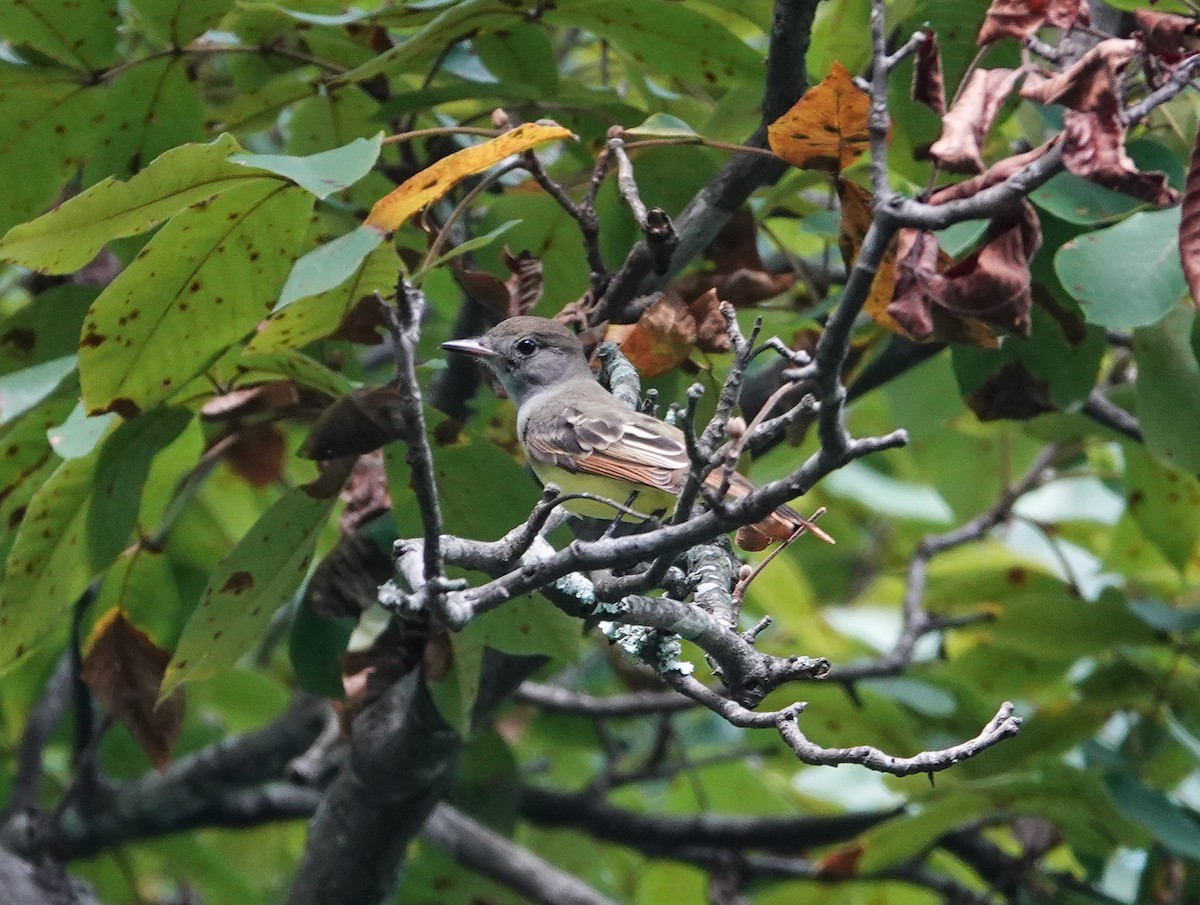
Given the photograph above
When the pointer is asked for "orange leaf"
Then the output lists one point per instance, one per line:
(124, 670)
(827, 128)
(856, 219)
(432, 183)
(662, 338)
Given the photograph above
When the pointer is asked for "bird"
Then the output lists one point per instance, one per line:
(578, 436)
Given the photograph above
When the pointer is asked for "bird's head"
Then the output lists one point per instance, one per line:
(527, 354)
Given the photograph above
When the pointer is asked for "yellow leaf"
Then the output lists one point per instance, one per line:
(432, 183)
(856, 218)
(827, 128)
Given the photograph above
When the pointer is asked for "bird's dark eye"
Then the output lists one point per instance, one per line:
(527, 346)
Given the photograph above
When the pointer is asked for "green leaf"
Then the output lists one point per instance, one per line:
(178, 21)
(838, 36)
(248, 586)
(24, 443)
(675, 40)
(1167, 822)
(1126, 275)
(121, 472)
(45, 328)
(521, 54)
(78, 434)
(1165, 503)
(471, 244)
(1166, 618)
(142, 584)
(662, 125)
(304, 369)
(200, 285)
(22, 390)
(68, 237)
(316, 646)
(1078, 200)
(82, 35)
(329, 266)
(1168, 388)
(40, 138)
(317, 316)
(148, 110)
(323, 173)
(50, 563)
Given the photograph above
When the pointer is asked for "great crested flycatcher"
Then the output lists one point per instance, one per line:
(577, 435)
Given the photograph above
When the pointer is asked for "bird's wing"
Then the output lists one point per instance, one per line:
(613, 442)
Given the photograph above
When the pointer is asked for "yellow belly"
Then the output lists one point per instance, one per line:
(649, 500)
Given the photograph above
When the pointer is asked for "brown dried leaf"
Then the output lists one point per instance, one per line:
(736, 245)
(363, 323)
(1094, 147)
(917, 283)
(992, 284)
(712, 333)
(1090, 83)
(483, 287)
(1189, 225)
(1021, 18)
(263, 398)
(367, 495)
(856, 217)
(827, 128)
(927, 87)
(361, 421)
(662, 338)
(124, 670)
(1011, 393)
(1166, 35)
(994, 175)
(526, 285)
(256, 454)
(969, 118)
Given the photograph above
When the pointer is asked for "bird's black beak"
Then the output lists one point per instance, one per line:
(471, 347)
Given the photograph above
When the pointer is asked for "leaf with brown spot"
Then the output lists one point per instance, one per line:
(927, 87)
(257, 576)
(827, 128)
(1011, 393)
(663, 337)
(1189, 225)
(124, 670)
(1021, 18)
(1090, 83)
(967, 122)
(427, 186)
(361, 421)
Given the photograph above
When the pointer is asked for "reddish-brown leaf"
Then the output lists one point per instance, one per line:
(1090, 84)
(662, 338)
(1166, 35)
(712, 333)
(993, 175)
(367, 496)
(827, 128)
(257, 453)
(736, 244)
(263, 398)
(1021, 18)
(969, 118)
(1094, 147)
(124, 670)
(992, 284)
(1011, 393)
(738, 275)
(1189, 226)
(917, 283)
(927, 87)
(362, 324)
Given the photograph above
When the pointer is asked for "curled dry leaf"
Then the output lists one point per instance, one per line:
(526, 285)
(969, 118)
(1021, 18)
(1189, 226)
(1168, 36)
(367, 496)
(1094, 147)
(662, 339)
(927, 87)
(855, 219)
(261, 399)
(124, 670)
(712, 333)
(827, 128)
(738, 274)
(363, 323)
(993, 175)
(1090, 84)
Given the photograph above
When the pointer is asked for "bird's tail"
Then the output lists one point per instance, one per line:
(781, 525)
